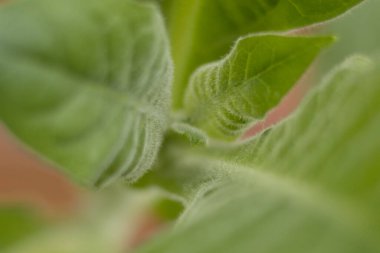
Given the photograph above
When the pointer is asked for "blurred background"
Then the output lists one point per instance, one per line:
(26, 179)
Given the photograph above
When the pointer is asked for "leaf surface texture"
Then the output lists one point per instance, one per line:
(225, 97)
(86, 84)
(303, 186)
(202, 31)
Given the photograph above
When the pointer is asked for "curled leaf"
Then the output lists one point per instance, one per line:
(225, 97)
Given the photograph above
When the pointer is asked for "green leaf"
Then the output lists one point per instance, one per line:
(310, 184)
(107, 223)
(86, 84)
(365, 39)
(203, 30)
(225, 97)
(17, 223)
(194, 135)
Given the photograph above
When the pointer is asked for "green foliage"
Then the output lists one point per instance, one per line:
(193, 134)
(17, 223)
(276, 197)
(85, 82)
(225, 97)
(106, 224)
(87, 85)
(365, 40)
(204, 30)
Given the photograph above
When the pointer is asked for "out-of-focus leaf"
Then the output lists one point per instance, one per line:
(107, 225)
(86, 83)
(225, 97)
(310, 184)
(17, 223)
(357, 32)
(204, 30)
